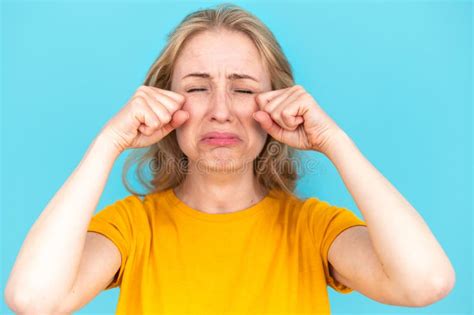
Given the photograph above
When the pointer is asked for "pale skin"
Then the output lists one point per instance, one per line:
(380, 261)
(395, 260)
(216, 102)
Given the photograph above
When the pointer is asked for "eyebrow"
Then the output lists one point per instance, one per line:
(232, 76)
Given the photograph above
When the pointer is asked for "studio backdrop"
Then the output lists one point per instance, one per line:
(396, 76)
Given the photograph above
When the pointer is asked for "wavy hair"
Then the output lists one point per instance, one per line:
(275, 166)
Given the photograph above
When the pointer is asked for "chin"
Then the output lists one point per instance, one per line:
(227, 163)
(220, 166)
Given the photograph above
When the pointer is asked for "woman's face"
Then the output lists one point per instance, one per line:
(209, 73)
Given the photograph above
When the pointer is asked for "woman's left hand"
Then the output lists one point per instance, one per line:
(293, 117)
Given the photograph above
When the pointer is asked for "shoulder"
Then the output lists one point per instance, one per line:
(311, 206)
(285, 200)
(326, 220)
(127, 210)
(130, 203)
(324, 212)
(293, 207)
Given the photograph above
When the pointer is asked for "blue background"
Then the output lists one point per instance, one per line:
(396, 76)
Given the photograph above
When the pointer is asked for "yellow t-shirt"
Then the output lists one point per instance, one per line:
(271, 257)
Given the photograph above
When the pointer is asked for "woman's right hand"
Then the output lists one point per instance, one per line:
(148, 117)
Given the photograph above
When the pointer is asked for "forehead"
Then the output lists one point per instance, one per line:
(220, 51)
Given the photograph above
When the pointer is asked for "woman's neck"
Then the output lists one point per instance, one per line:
(218, 193)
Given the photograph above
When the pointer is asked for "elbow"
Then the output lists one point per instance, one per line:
(435, 290)
(18, 303)
(14, 302)
(22, 304)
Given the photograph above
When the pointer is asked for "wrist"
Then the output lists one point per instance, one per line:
(107, 145)
(336, 142)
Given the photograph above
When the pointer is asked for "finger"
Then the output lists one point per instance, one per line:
(161, 97)
(143, 113)
(274, 108)
(163, 114)
(179, 118)
(147, 131)
(266, 97)
(291, 122)
(268, 124)
(286, 114)
(274, 103)
(178, 97)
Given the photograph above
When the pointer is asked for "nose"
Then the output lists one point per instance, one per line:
(220, 106)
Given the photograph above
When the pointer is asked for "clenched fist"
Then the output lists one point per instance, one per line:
(292, 116)
(149, 116)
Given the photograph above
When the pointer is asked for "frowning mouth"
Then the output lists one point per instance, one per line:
(221, 141)
(220, 138)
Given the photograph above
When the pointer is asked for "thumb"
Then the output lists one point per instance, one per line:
(178, 118)
(268, 124)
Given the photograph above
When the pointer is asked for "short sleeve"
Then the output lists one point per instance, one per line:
(115, 222)
(327, 222)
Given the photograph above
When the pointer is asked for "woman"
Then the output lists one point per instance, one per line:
(220, 230)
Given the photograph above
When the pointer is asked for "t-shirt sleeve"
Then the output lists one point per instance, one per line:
(327, 222)
(115, 222)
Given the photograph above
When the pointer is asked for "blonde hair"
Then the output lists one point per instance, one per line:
(274, 166)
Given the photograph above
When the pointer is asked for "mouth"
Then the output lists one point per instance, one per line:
(220, 138)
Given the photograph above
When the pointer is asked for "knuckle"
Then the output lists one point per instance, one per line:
(140, 90)
(143, 88)
(158, 90)
(138, 101)
(274, 115)
(298, 87)
(139, 98)
(166, 117)
(154, 123)
(174, 106)
(305, 97)
(180, 97)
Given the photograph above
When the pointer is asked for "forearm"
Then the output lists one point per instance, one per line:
(408, 251)
(48, 261)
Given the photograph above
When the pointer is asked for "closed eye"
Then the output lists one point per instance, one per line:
(245, 91)
(192, 90)
(201, 89)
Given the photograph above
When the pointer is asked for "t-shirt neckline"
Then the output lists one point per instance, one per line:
(217, 217)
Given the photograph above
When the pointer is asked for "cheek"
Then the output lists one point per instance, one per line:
(257, 135)
(245, 105)
(248, 100)
(196, 113)
(195, 106)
